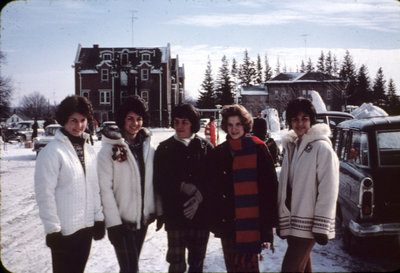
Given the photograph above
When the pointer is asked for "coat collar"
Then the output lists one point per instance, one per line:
(319, 131)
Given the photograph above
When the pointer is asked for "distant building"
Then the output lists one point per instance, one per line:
(287, 86)
(254, 98)
(107, 75)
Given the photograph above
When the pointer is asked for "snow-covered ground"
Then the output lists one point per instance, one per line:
(23, 246)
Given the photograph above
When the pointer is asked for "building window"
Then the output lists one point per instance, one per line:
(276, 94)
(85, 94)
(104, 74)
(107, 57)
(124, 59)
(145, 74)
(328, 94)
(124, 78)
(145, 96)
(105, 97)
(146, 57)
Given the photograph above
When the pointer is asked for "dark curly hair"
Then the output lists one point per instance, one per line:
(74, 104)
(133, 104)
(187, 111)
(241, 112)
(298, 105)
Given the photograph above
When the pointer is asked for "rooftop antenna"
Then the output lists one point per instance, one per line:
(305, 46)
(133, 17)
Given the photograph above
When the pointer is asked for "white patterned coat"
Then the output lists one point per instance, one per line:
(315, 185)
(67, 197)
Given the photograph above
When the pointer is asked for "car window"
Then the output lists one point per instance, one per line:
(342, 150)
(389, 148)
(358, 152)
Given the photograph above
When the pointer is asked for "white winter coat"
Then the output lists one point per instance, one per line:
(315, 185)
(67, 197)
(121, 191)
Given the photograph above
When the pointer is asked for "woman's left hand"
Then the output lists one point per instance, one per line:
(99, 230)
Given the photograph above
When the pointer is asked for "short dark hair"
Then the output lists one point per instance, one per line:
(133, 104)
(74, 104)
(241, 112)
(187, 111)
(298, 105)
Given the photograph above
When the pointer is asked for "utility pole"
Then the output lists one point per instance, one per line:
(133, 17)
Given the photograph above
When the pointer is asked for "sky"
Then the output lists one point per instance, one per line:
(40, 37)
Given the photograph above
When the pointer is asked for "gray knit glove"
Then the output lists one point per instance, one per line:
(191, 206)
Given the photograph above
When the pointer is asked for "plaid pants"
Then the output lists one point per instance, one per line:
(196, 243)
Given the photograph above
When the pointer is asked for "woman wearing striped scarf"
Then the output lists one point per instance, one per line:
(243, 199)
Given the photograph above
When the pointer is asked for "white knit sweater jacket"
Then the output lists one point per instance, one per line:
(67, 197)
(120, 186)
(315, 185)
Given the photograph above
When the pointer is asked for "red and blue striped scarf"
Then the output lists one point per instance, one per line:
(244, 169)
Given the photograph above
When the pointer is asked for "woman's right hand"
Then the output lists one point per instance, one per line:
(54, 239)
(115, 233)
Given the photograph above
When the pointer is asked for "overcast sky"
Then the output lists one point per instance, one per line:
(40, 37)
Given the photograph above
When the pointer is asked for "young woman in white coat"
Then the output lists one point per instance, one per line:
(67, 189)
(125, 167)
(308, 186)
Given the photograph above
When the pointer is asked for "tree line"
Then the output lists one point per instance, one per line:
(359, 88)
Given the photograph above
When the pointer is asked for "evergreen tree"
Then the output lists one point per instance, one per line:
(278, 67)
(247, 72)
(310, 66)
(224, 84)
(302, 67)
(378, 89)
(329, 63)
(5, 92)
(347, 73)
(362, 89)
(393, 105)
(321, 63)
(235, 77)
(268, 70)
(207, 99)
(259, 69)
(335, 68)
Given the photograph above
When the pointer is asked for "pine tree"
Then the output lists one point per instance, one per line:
(247, 72)
(302, 67)
(310, 66)
(335, 68)
(321, 63)
(224, 84)
(347, 73)
(207, 99)
(259, 68)
(278, 67)
(362, 89)
(329, 63)
(268, 70)
(378, 89)
(393, 108)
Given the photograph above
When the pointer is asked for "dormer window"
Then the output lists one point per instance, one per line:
(146, 57)
(104, 74)
(124, 59)
(107, 57)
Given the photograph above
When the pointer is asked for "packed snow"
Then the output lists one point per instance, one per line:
(23, 246)
(368, 110)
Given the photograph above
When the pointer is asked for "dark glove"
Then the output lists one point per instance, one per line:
(322, 239)
(160, 222)
(54, 239)
(188, 188)
(99, 230)
(191, 206)
(115, 233)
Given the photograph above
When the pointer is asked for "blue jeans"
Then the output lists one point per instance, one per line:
(128, 248)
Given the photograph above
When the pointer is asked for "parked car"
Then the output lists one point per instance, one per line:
(204, 122)
(11, 134)
(24, 130)
(369, 192)
(333, 118)
(40, 142)
(102, 126)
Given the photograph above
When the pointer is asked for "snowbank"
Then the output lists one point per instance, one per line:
(272, 116)
(368, 110)
(317, 101)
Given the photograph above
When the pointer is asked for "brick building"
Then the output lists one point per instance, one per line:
(106, 76)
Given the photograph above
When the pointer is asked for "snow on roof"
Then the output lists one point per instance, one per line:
(88, 71)
(368, 110)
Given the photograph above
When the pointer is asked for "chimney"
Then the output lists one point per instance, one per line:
(95, 46)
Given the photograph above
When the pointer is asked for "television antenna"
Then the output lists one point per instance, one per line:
(305, 46)
(133, 17)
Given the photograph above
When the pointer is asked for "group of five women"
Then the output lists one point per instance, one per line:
(187, 186)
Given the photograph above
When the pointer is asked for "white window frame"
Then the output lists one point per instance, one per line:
(145, 73)
(105, 97)
(124, 55)
(146, 57)
(105, 75)
(145, 96)
(107, 57)
(86, 93)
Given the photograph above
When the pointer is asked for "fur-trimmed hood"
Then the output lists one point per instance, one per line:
(319, 131)
(113, 134)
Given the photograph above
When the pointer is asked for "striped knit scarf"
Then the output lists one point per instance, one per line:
(244, 169)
